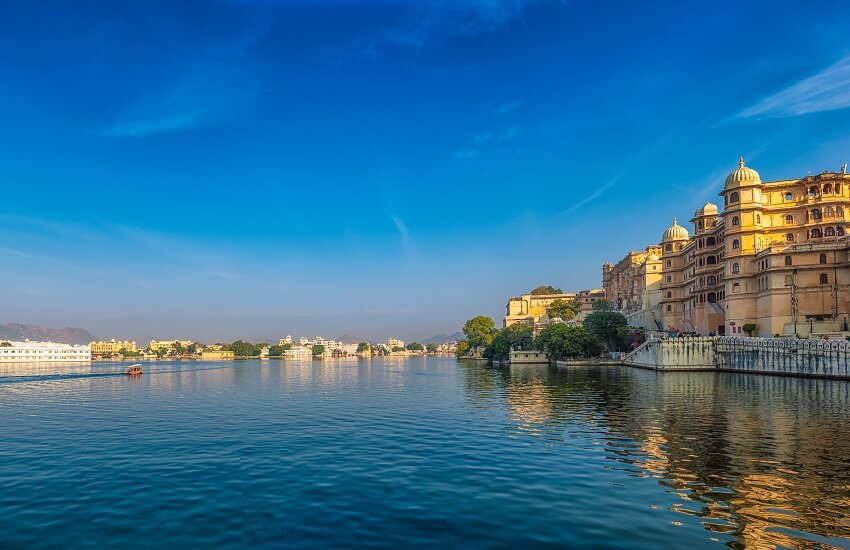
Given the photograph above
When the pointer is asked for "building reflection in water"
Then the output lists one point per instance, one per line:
(763, 462)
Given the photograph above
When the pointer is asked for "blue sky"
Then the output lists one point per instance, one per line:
(217, 170)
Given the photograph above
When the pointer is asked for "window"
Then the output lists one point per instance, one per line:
(827, 212)
(789, 197)
(789, 220)
(669, 279)
(788, 260)
(758, 218)
(824, 279)
(712, 280)
(711, 260)
(736, 244)
(710, 241)
(736, 288)
(669, 263)
(813, 191)
(837, 188)
(734, 197)
(700, 224)
(735, 220)
(736, 268)
(822, 259)
(789, 280)
(789, 237)
(669, 307)
(829, 231)
(669, 294)
(816, 214)
(816, 233)
(668, 248)
(827, 189)
(839, 231)
(839, 211)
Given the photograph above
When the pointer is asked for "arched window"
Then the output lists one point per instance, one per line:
(712, 298)
(735, 220)
(822, 258)
(839, 211)
(816, 214)
(669, 263)
(733, 198)
(710, 241)
(827, 189)
(736, 244)
(712, 280)
(711, 260)
(789, 237)
(789, 220)
(788, 260)
(736, 268)
(789, 197)
(813, 191)
(824, 279)
(827, 212)
(669, 279)
(736, 288)
(816, 233)
(668, 248)
(789, 280)
(829, 232)
(758, 218)
(700, 224)
(839, 231)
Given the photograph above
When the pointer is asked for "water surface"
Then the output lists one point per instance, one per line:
(419, 452)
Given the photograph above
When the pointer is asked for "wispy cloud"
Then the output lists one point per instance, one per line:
(478, 141)
(828, 90)
(593, 196)
(506, 108)
(464, 154)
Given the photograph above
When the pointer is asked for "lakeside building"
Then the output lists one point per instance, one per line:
(217, 355)
(112, 347)
(42, 352)
(169, 344)
(531, 308)
(775, 256)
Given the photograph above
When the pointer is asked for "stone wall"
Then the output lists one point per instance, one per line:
(520, 357)
(674, 354)
(784, 356)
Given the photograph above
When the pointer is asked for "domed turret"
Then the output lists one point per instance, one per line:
(742, 176)
(675, 233)
(708, 209)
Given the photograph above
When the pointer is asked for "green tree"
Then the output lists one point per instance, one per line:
(244, 349)
(364, 346)
(750, 328)
(318, 350)
(415, 346)
(564, 309)
(127, 353)
(279, 349)
(462, 348)
(517, 336)
(431, 347)
(546, 289)
(178, 348)
(193, 348)
(606, 326)
(562, 342)
(479, 331)
(397, 349)
(161, 352)
(603, 305)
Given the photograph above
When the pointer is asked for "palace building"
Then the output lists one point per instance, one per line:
(531, 308)
(775, 256)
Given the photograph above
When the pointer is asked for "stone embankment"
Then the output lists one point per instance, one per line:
(825, 359)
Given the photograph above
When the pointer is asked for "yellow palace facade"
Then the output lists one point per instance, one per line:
(775, 255)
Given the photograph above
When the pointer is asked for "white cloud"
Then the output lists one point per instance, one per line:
(506, 108)
(827, 90)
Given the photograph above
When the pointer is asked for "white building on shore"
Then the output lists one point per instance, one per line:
(42, 352)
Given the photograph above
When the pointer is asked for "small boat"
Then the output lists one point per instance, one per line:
(135, 370)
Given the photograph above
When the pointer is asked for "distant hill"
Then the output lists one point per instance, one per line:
(443, 338)
(351, 339)
(67, 335)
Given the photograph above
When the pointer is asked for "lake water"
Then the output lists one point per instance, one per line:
(420, 452)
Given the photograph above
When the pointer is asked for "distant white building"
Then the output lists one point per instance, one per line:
(298, 352)
(42, 352)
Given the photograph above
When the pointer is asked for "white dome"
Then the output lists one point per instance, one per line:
(675, 233)
(741, 176)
